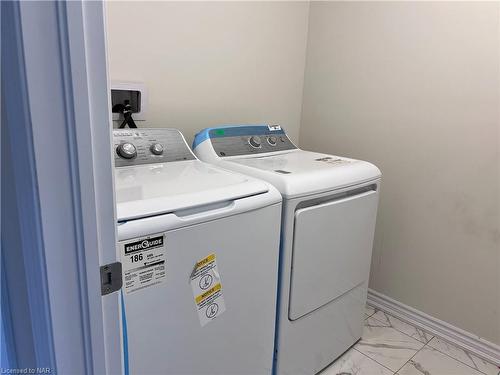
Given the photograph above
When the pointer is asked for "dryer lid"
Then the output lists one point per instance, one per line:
(154, 189)
(298, 172)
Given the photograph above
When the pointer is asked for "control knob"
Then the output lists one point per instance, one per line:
(127, 150)
(254, 141)
(156, 148)
(272, 140)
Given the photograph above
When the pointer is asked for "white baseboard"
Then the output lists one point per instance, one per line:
(466, 340)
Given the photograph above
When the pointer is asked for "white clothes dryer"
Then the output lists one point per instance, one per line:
(199, 253)
(328, 222)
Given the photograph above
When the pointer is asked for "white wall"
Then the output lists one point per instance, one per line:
(208, 63)
(414, 88)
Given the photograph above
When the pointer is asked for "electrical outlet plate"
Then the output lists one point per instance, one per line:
(143, 105)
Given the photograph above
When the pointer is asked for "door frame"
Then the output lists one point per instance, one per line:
(58, 123)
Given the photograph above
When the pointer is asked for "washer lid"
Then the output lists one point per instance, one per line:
(296, 173)
(153, 189)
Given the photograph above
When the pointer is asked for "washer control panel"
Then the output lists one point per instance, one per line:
(246, 139)
(147, 146)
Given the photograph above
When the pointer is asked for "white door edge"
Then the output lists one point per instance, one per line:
(65, 135)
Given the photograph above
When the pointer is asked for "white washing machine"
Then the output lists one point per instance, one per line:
(199, 253)
(329, 211)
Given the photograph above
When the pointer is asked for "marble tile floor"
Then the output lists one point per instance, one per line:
(390, 346)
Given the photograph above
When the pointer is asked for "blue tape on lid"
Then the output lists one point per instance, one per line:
(233, 131)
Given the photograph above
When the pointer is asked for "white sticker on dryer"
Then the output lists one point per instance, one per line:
(143, 262)
(274, 127)
(207, 289)
(334, 161)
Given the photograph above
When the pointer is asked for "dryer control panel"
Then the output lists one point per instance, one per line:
(147, 146)
(245, 139)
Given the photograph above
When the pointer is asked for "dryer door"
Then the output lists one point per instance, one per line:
(332, 250)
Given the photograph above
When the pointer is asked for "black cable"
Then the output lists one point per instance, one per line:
(126, 110)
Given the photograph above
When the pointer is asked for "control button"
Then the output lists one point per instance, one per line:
(272, 140)
(156, 148)
(254, 141)
(127, 150)
(282, 139)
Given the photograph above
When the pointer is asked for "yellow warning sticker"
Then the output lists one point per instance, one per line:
(208, 293)
(204, 261)
(207, 289)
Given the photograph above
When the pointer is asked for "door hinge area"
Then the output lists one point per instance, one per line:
(111, 278)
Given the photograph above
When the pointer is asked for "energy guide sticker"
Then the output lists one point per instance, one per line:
(207, 289)
(143, 262)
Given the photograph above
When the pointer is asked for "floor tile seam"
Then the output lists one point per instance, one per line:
(449, 356)
(378, 320)
(418, 351)
(378, 363)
